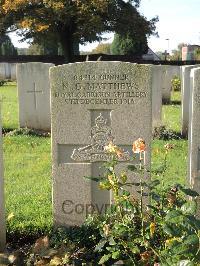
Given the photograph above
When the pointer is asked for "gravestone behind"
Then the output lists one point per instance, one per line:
(92, 104)
(194, 132)
(34, 95)
(169, 72)
(157, 96)
(5, 71)
(2, 71)
(166, 88)
(2, 204)
(185, 97)
(13, 71)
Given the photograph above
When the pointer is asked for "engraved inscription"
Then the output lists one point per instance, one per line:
(198, 159)
(101, 135)
(197, 98)
(100, 89)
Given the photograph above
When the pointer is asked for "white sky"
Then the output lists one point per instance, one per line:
(179, 21)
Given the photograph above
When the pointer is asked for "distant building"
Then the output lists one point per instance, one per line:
(188, 52)
(151, 56)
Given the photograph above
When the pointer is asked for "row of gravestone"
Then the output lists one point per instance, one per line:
(8, 71)
(93, 103)
(34, 93)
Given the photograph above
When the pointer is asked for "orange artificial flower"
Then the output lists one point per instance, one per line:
(139, 146)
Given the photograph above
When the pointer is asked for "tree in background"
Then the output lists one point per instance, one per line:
(70, 22)
(102, 48)
(160, 54)
(129, 45)
(177, 53)
(197, 54)
(6, 46)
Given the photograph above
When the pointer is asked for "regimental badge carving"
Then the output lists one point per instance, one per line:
(101, 136)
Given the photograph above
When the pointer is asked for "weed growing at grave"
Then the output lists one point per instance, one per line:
(164, 232)
(2, 82)
(176, 83)
(26, 132)
(163, 133)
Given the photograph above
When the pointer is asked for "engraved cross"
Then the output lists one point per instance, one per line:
(35, 91)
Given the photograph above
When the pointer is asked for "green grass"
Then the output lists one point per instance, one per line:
(28, 182)
(8, 97)
(176, 161)
(171, 114)
(27, 163)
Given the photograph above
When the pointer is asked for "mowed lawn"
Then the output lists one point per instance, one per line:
(27, 163)
(9, 105)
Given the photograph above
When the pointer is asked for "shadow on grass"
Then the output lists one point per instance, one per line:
(25, 132)
(162, 133)
(175, 102)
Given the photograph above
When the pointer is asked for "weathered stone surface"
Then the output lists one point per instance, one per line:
(185, 97)
(93, 103)
(2, 204)
(194, 132)
(2, 71)
(5, 71)
(13, 71)
(34, 95)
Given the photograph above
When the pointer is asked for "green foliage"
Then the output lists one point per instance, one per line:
(72, 22)
(26, 132)
(165, 231)
(2, 82)
(177, 53)
(163, 133)
(45, 48)
(102, 48)
(6, 46)
(129, 45)
(176, 83)
(197, 54)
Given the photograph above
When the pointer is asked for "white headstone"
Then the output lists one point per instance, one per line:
(169, 72)
(2, 203)
(185, 97)
(157, 96)
(194, 131)
(5, 71)
(34, 95)
(92, 104)
(2, 71)
(13, 71)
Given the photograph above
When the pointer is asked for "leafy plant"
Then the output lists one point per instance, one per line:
(2, 82)
(165, 231)
(163, 133)
(176, 83)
